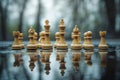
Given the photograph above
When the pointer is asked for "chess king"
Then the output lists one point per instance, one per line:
(46, 43)
(76, 43)
(62, 43)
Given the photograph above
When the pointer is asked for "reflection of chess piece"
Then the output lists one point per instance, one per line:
(57, 37)
(47, 44)
(61, 55)
(32, 42)
(76, 43)
(103, 58)
(87, 57)
(47, 63)
(41, 39)
(88, 41)
(76, 59)
(18, 60)
(20, 38)
(16, 45)
(33, 59)
(102, 44)
(62, 43)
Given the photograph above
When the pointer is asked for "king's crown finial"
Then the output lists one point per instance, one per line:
(61, 22)
(46, 22)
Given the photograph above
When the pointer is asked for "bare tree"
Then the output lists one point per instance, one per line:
(21, 16)
(38, 27)
(3, 18)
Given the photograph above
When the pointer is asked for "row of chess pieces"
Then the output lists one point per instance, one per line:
(60, 43)
(60, 57)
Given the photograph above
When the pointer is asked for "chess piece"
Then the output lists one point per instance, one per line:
(62, 43)
(35, 39)
(88, 41)
(57, 37)
(47, 44)
(102, 44)
(16, 45)
(76, 59)
(20, 38)
(32, 43)
(76, 43)
(41, 39)
(87, 57)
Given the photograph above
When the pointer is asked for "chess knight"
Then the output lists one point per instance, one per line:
(18, 43)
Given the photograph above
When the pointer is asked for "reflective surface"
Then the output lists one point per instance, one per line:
(60, 65)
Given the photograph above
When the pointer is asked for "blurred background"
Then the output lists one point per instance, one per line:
(93, 15)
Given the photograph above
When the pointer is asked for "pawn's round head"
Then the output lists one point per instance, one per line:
(85, 34)
(42, 33)
(102, 33)
(57, 34)
(89, 33)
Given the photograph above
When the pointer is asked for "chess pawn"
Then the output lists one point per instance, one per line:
(21, 40)
(31, 45)
(47, 44)
(41, 39)
(16, 45)
(62, 43)
(57, 37)
(102, 44)
(88, 41)
(35, 39)
(76, 43)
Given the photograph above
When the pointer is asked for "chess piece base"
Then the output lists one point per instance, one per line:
(62, 46)
(47, 46)
(88, 46)
(16, 47)
(103, 47)
(76, 46)
(32, 47)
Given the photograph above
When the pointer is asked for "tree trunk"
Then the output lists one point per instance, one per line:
(111, 14)
(38, 18)
(3, 12)
(20, 26)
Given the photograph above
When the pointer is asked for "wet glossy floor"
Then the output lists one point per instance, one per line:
(60, 64)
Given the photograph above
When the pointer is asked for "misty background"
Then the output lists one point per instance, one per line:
(93, 15)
